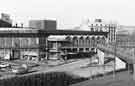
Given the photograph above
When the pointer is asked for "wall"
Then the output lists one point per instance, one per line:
(120, 64)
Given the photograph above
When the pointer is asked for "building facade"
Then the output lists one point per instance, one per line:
(87, 43)
(32, 44)
(101, 25)
(14, 47)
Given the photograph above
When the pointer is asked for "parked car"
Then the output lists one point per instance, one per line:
(20, 69)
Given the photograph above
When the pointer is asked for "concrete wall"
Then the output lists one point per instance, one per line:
(120, 64)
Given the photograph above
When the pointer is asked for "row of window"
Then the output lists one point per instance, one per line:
(87, 42)
(18, 42)
(102, 25)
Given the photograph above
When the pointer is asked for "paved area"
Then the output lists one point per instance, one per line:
(77, 67)
(43, 68)
(65, 67)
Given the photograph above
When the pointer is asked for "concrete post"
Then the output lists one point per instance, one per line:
(101, 57)
(133, 71)
(101, 60)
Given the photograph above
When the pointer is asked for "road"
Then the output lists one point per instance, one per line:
(44, 68)
(75, 68)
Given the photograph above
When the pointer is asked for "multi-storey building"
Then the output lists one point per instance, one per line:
(101, 25)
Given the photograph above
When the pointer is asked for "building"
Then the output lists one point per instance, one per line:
(100, 25)
(5, 20)
(30, 44)
(86, 43)
(34, 43)
(14, 43)
(43, 24)
(25, 43)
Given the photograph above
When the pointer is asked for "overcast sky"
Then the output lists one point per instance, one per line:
(70, 13)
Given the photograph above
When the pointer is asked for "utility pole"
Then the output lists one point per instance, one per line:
(115, 51)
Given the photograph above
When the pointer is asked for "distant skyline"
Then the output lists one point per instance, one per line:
(70, 13)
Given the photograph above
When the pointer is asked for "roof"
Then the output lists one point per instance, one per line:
(18, 30)
(28, 32)
(72, 32)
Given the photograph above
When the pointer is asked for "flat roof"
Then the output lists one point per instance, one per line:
(29, 32)
(72, 32)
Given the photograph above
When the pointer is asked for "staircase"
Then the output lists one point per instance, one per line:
(123, 54)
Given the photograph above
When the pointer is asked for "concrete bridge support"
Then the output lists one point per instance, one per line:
(133, 71)
(101, 57)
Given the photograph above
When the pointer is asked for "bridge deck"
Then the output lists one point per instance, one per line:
(119, 52)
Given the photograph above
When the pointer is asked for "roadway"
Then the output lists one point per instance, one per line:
(78, 68)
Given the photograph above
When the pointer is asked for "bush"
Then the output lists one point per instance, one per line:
(48, 79)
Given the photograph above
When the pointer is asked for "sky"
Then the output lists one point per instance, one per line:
(70, 13)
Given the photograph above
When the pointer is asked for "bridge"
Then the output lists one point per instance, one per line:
(123, 54)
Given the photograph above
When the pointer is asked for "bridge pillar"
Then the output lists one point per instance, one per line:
(133, 71)
(101, 57)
